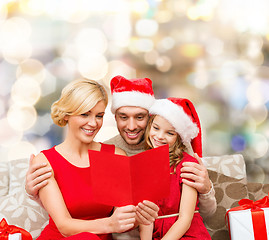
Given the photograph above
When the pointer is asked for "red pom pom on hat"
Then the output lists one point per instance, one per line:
(131, 92)
(181, 113)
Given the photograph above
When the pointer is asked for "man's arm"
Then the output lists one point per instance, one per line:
(36, 178)
(195, 175)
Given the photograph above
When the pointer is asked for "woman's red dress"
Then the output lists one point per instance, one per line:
(75, 185)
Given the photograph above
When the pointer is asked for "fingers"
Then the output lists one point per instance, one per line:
(193, 184)
(41, 173)
(141, 219)
(123, 218)
(198, 159)
(201, 183)
(127, 209)
(151, 205)
(191, 167)
(191, 176)
(124, 227)
(33, 167)
(31, 159)
(147, 212)
(125, 213)
(41, 179)
(37, 176)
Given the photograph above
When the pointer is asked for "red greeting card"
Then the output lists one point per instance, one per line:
(121, 180)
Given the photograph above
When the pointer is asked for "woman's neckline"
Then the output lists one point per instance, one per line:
(85, 167)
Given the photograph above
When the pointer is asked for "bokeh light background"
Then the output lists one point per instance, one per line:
(214, 52)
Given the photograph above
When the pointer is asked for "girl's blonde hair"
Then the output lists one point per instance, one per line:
(175, 151)
(77, 97)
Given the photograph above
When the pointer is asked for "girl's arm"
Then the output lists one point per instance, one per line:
(145, 231)
(186, 211)
(196, 175)
(121, 220)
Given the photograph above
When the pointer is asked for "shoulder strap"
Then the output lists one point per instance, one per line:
(49, 153)
(107, 148)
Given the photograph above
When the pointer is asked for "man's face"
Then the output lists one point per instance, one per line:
(132, 123)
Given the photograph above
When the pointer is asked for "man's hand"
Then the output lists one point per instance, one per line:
(146, 212)
(36, 177)
(198, 174)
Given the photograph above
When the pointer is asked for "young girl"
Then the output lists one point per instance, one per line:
(174, 121)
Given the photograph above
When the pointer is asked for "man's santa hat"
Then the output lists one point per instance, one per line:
(181, 113)
(131, 92)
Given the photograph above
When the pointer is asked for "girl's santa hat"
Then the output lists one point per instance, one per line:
(131, 92)
(181, 113)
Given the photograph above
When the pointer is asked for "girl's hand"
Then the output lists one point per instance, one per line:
(147, 212)
(123, 219)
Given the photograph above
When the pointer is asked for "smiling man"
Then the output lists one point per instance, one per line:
(131, 100)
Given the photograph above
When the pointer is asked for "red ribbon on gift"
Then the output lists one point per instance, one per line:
(6, 229)
(257, 214)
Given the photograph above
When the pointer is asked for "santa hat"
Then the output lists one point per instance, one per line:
(182, 115)
(131, 92)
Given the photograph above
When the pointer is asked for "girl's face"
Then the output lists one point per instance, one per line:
(162, 132)
(85, 126)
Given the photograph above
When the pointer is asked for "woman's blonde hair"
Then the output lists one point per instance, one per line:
(77, 97)
(175, 151)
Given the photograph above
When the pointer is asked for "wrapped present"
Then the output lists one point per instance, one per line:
(12, 232)
(250, 220)
(15, 236)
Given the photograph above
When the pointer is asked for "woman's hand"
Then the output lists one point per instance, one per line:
(123, 219)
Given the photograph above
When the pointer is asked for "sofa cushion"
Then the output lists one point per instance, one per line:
(257, 191)
(228, 192)
(4, 178)
(16, 207)
(229, 165)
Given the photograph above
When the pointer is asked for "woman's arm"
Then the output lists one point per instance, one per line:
(50, 195)
(186, 211)
(146, 231)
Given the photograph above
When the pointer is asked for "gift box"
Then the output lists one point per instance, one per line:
(12, 232)
(15, 236)
(250, 220)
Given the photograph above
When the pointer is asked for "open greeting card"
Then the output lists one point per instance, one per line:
(121, 180)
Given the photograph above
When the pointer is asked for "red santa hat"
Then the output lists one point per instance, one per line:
(181, 113)
(131, 92)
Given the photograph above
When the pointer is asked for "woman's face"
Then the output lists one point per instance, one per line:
(85, 126)
(162, 132)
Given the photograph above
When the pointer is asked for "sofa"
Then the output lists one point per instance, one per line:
(228, 174)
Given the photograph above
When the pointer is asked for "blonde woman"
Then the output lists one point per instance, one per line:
(67, 195)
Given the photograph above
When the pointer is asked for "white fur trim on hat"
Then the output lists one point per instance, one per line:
(175, 114)
(134, 99)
